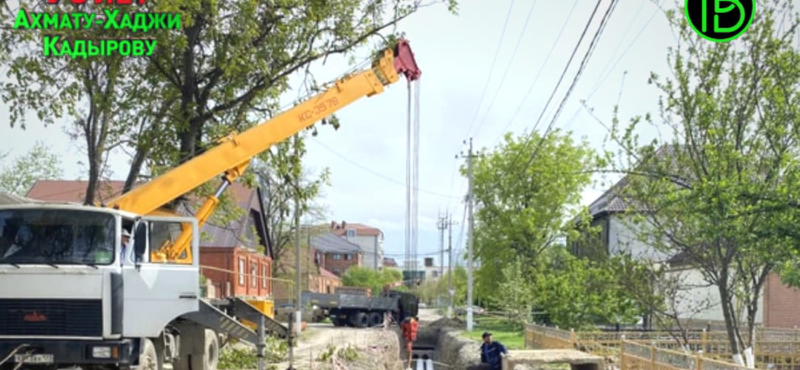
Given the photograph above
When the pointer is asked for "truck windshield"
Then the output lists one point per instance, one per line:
(55, 236)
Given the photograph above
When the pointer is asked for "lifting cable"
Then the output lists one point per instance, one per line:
(412, 177)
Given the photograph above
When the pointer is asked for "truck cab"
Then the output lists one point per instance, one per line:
(71, 294)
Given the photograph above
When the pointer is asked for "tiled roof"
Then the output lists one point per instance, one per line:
(341, 228)
(389, 262)
(6, 198)
(325, 273)
(330, 243)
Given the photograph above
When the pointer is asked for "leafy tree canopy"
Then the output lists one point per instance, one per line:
(17, 176)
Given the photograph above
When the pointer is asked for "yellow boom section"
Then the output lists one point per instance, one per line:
(234, 153)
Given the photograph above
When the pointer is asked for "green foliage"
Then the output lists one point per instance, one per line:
(575, 293)
(521, 210)
(347, 353)
(503, 331)
(17, 176)
(358, 276)
(233, 358)
(514, 295)
(721, 190)
(459, 285)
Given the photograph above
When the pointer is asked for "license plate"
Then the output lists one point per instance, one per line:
(34, 359)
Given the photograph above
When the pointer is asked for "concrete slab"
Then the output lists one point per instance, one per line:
(537, 358)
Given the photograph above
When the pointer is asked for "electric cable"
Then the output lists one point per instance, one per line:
(491, 68)
(539, 73)
(508, 67)
(575, 80)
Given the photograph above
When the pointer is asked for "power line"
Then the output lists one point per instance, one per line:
(555, 89)
(365, 168)
(491, 69)
(539, 73)
(628, 48)
(586, 58)
(508, 67)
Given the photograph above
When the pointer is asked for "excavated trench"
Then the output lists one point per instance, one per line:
(440, 342)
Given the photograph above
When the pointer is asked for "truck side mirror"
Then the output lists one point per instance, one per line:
(140, 241)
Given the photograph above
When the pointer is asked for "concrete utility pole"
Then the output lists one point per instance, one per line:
(299, 283)
(450, 289)
(469, 158)
(442, 225)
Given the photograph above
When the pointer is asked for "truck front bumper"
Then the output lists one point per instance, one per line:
(123, 352)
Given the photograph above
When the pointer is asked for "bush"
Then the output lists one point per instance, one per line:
(231, 358)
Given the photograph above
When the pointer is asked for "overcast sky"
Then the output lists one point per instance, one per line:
(367, 154)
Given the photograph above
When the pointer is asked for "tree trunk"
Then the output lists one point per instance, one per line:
(728, 314)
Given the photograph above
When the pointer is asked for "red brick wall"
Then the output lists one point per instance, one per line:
(241, 283)
(338, 267)
(780, 304)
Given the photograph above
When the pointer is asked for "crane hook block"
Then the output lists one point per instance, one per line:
(404, 61)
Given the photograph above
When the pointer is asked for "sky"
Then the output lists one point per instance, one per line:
(475, 84)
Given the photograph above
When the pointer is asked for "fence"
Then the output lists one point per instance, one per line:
(775, 349)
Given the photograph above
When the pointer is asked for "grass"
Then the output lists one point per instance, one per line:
(502, 331)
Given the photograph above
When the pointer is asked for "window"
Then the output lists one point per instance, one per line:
(348, 257)
(265, 273)
(336, 270)
(253, 273)
(241, 271)
(351, 233)
(337, 256)
(435, 273)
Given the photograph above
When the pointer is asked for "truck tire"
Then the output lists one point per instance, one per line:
(361, 320)
(194, 358)
(338, 322)
(375, 319)
(148, 357)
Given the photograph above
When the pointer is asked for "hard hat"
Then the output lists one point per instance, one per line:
(126, 233)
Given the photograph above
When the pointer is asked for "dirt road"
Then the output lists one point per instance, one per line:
(371, 344)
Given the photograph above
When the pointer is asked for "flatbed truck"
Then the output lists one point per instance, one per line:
(361, 311)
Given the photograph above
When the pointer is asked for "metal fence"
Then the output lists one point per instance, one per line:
(775, 349)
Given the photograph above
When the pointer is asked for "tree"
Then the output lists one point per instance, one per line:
(716, 192)
(278, 178)
(578, 293)
(357, 276)
(521, 208)
(459, 274)
(87, 96)
(18, 176)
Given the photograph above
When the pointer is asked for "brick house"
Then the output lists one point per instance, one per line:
(335, 254)
(229, 258)
(368, 238)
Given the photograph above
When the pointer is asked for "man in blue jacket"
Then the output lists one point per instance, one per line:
(490, 352)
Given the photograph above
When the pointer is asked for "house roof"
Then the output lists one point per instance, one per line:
(340, 229)
(330, 243)
(7, 199)
(612, 201)
(325, 273)
(219, 236)
(389, 262)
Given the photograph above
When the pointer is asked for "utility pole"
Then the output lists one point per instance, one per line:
(469, 158)
(450, 289)
(442, 225)
(299, 282)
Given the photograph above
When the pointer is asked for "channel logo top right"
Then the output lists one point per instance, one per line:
(720, 20)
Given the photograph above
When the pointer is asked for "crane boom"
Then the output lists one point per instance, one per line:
(235, 151)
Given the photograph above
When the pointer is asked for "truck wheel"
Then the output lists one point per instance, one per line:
(362, 320)
(375, 319)
(148, 357)
(194, 358)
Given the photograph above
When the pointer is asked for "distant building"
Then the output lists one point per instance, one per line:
(368, 238)
(335, 254)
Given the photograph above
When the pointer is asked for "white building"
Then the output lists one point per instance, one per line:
(368, 238)
(619, 234)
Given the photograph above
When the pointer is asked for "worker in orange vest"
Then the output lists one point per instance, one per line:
(410, 335)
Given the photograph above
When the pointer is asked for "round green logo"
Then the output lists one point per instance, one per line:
(720, 20)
